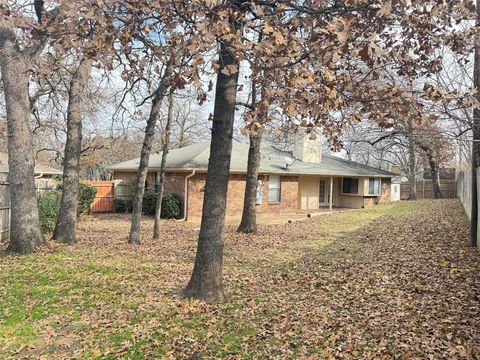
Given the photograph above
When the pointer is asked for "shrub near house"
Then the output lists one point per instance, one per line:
(49, 205)
(85, 198)
(48, 208)
(171, 208)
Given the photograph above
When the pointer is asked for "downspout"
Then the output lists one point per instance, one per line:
(185, 200)
(37, 189)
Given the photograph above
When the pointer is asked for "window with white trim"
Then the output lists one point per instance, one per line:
(374, 186)
(350, 186)
(259, 192)
(274, 189)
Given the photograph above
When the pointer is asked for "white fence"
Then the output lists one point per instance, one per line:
(464, 190)
(42, 185)
(4, 208)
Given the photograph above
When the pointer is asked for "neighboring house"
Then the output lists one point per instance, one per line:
(45, 176)
(289, 180)
(45, 179)
(396, 183)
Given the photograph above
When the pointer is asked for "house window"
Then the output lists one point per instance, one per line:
(373, 186)
(259, 192)
(350, 186)
(157, 181)
(274, 189)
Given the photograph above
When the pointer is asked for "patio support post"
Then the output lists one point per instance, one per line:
(331, 193)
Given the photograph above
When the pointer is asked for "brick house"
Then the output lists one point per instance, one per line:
(302, 179)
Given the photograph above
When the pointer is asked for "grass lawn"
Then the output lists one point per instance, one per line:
(391, 281)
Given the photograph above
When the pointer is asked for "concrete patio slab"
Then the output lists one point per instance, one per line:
(280, 218)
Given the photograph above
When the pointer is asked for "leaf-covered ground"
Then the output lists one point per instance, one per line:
(395, 281)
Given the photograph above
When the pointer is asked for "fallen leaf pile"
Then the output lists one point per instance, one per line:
(389, 282)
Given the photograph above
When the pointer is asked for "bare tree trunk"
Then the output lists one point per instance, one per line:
(67, 217)
(161, 183)
(434, 171)
(206, 282)
(248, 223)
(476, 137)
(25, 232)
(181, 130)
(134, 237)
(411, 163)
(437, 193)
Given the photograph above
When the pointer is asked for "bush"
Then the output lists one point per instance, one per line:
(86, 196)
(49, 205)
(149, 203)
(48, 208)
(123, 205)
(171, 208)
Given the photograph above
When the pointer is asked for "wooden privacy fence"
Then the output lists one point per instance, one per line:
(42, 185)
(4, 208)
(103, 201)
(104, 197)
(107, 192)
(425, 189)
(464, 190)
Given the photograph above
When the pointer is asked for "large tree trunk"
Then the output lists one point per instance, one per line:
(248, 223)
(25, 232)
(134, 237)
(206, 282)
(412, 179)
(476, 137)
(67, 217)
(437, 193)
(161, 183)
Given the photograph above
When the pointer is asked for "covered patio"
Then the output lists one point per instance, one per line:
(316, 193)
(280, 218)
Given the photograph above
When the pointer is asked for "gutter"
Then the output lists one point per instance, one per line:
(185, 199)
(266, 172)
(39, 176)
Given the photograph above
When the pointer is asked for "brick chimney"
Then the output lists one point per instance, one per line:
(308, 148)
(396, 169)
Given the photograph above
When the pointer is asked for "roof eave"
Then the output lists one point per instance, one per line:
(157, 169)
(237, 171)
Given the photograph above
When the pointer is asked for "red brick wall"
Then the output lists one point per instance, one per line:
(125, 175)
(174, 182)
(369, 201)
(236, 190)
(385, 195)
(288, 195)
(196, 187)
(131, 176)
